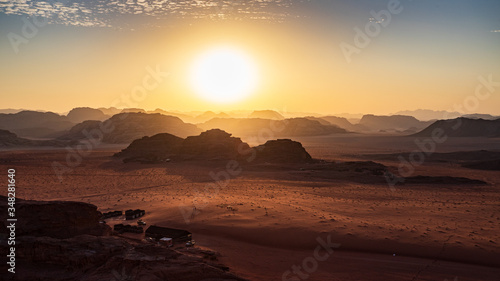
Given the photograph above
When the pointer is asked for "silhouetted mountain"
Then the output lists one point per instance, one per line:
(184, 117)
(277, 128)
(126, 127)
(354, 121)
(340, 122)
(463, 127)
(320, 120)
(76, 132)
(133, 110)
(110, 111)
(10, 110)
(428, 115)
(209, 115)
(282, 151)
(212, 145)
(349, 116)
(266, 114)
(34, 124)
(9, 139)
(160, 146)
(394, 123)
(80, 114)
(481, 116)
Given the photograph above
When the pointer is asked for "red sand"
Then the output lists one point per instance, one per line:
(371, 222)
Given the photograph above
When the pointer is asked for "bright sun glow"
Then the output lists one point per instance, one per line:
(223, 75)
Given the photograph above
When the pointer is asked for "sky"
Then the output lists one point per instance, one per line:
(326, 56)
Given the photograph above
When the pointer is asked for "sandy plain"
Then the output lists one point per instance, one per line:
(267, 218)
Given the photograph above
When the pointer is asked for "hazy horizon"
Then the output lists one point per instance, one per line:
(429, 114)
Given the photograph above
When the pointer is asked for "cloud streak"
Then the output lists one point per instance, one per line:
(116, 12)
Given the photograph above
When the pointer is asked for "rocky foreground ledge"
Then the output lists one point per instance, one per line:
(65, 241)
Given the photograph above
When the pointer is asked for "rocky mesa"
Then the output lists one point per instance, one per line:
(213, 144)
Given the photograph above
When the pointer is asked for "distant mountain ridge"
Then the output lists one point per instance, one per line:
(370, 123)
(481, 116)
(34, 124)
(80, 114)
(127, 127)
(266, 114)
(10, 110)
(38, 124)
(210, 115)
(392, 123)
(463, 127)
(184, 117)
(427, 114)
(342, 122)
(278, 128)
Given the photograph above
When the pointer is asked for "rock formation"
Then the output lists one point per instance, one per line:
(161, 146)
(293, 127)
(55, 219)
(64, 241)
(126, 127)
(341, 122)
(34, 124)
(211, 145)
(266, 114)
(282, 151)
(463, 127)
(80, 114)
(393, 123)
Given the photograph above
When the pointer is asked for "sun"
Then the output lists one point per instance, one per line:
(224, 75)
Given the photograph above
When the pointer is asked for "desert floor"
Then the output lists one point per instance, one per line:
(276, 215)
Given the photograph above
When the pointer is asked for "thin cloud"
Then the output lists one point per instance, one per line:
(109, 13)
